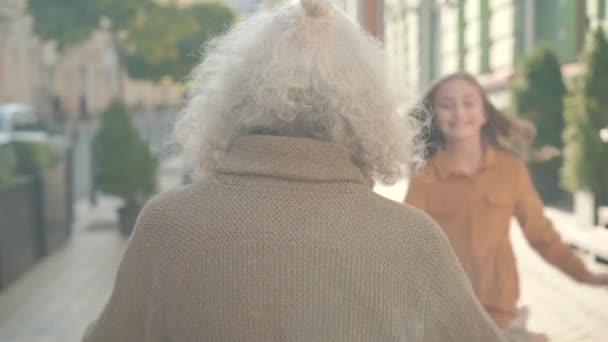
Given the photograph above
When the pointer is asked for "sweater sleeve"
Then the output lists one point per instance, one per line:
(539, 231)
(134, 311)
(451, 310)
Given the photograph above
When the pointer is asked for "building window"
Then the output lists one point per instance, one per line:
(461, 36)
(435, 43)
(485, 35)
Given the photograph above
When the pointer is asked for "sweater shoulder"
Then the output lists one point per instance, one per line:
(164, 217)
(407, 222)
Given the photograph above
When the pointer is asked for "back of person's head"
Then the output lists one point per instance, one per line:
(302, 70)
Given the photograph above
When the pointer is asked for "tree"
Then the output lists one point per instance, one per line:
(538, 95)
(71, 22)
(152, 49)
(161, 40)
(586, 156)
(166, 40)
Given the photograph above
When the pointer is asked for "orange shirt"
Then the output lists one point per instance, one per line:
(475, 213)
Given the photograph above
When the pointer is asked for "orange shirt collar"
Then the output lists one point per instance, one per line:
(446, 168)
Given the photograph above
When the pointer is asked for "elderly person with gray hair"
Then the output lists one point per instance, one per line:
(294, 116)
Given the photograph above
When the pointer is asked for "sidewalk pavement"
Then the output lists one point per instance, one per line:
(56, 300)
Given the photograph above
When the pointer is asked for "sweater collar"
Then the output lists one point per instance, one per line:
(290, 159)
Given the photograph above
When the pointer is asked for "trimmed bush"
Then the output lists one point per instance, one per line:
(538, 95)
(124, 165)
(586, 156)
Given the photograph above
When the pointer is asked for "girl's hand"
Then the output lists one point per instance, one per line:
(534, 337)
(520, 323)
(599, 279)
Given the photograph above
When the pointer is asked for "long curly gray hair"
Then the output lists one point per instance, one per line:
(303, 69)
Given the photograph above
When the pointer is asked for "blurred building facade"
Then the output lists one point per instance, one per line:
(431, 38)
(82, 79)
(369, 14)
(245, 7)
(89, 76)
(25, 61)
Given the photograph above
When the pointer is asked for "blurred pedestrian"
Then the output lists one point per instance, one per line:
(473, 184)
(295, 114)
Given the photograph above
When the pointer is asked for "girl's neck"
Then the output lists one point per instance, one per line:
(466, 154)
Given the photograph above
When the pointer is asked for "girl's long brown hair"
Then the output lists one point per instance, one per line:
(500, 130)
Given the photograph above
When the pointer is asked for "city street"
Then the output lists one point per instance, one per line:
(91, 96)
(57, 299)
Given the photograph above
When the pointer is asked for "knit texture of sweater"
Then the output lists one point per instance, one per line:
(286, 241)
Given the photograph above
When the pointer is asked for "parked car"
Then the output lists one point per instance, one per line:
(19, 122)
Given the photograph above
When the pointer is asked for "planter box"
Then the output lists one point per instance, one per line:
(19, 229)
(56, 208)
(35, 219)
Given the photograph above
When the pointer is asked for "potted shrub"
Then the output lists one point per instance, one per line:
(124, 165)
(538, 95)
(586, 155)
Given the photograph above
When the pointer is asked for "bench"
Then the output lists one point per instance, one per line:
(602, 216)
(590, 239)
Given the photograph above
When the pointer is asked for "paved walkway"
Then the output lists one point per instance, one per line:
(55, 301)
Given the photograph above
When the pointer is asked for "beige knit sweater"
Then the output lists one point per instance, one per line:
(287, 242)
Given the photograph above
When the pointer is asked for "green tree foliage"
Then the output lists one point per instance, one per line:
(166, 40)
(70, 22)
(124, 165)
(161, 40)
(538, 95)
(586, 156)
